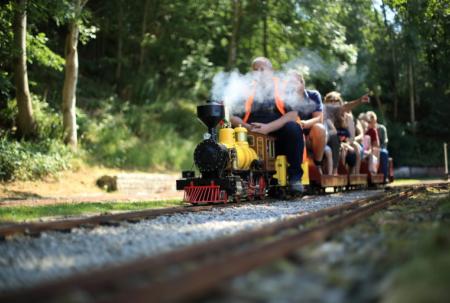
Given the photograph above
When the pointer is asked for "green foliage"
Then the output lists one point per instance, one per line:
(142, 137)
(145, 64)
(39, 52)
(6, 37)
(20, 160)
(410, 149)
(30, 160)
(47, 119)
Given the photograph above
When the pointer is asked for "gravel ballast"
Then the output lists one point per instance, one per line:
(26, 261)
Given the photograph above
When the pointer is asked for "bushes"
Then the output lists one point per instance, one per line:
(21, 160)
(160, 136)
(29, 160)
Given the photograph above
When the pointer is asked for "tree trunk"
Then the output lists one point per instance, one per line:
(416, 94)
(70, 81)
(394, 60)
(411, 92)
(232, 51)
(25, 121)
(144, 32)
(394, 83)
(118, 73)
(265, 30)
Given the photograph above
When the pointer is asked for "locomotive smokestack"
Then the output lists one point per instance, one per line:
(211, 114)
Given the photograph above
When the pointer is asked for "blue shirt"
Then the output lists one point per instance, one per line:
(313, 104)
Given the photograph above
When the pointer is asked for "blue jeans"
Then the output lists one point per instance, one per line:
(384, 162)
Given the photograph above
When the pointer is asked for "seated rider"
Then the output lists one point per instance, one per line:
(310, 110)
(265, 114)
(376, 142)
(343, 121)
(384, 154)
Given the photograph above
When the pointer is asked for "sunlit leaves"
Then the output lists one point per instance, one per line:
(38, 52)
(87, 33)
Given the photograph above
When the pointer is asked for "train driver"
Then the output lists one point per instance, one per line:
(265, 113)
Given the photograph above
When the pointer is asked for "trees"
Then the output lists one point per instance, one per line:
(25, 119)
(234, 38)
(71, 75)
(154, 54)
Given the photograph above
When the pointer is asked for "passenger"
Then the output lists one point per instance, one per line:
(379, 151)
(359, 132)
(384, 154)
(383, 139)
(349, 149)
(332, 150)
(269, 116)
(311, 120)
(354, 160)
(370, 141)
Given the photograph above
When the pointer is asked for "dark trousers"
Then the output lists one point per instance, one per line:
(335, 145)
(384, 162)
(290, 143)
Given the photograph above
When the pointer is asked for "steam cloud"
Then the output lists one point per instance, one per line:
(234, 88)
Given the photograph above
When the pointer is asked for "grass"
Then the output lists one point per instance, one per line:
(32, 213)
(426, 276)
(412, 181)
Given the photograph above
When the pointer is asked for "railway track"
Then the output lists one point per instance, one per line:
(192, 271)
(33, 229)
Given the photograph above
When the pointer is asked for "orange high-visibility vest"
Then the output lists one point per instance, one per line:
(279, 103)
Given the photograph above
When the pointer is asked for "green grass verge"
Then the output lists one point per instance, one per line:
(412, 181)
(31, 213)
(426, 276)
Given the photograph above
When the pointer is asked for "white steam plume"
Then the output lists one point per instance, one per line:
(234, 88)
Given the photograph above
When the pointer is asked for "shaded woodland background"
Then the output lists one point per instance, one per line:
(144, 65)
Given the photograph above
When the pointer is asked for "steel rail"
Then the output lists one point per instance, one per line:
(35, 228)
(116, 277)
(206, 276)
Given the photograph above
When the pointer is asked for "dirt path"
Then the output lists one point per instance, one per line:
(73, 187)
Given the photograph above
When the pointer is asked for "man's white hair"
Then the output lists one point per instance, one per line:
(262, 60)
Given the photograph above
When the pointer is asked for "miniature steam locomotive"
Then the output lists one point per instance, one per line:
(235, 164)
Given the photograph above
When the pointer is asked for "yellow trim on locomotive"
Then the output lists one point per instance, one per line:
(281, 166)
(226, 137)
(245, 155)
(237, 139)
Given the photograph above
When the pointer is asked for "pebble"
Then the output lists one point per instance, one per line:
(27, 261)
